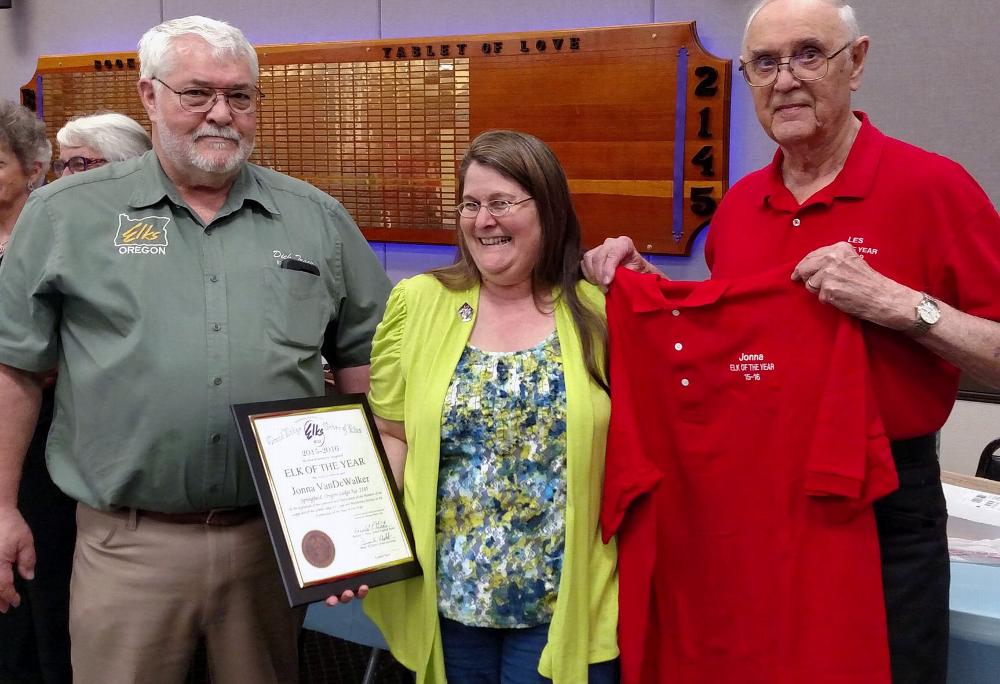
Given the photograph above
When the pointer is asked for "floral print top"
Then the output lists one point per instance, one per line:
(502, 487)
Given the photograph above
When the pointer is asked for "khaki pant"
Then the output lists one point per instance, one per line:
(144, 591)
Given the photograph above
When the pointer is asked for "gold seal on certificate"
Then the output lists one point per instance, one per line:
(333, 511)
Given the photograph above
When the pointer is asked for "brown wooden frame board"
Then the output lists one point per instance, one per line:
(639, 116)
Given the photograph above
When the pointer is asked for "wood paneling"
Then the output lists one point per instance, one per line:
(382, 125)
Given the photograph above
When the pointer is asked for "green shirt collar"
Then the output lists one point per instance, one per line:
(156, 186)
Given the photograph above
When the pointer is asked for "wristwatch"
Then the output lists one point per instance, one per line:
(928, 313)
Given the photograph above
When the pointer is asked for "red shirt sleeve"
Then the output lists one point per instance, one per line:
(854, 463)
(628, 472)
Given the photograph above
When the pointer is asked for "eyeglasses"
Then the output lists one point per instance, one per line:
(76, 164)
(496, 207)
(808, 64)
(200, 100)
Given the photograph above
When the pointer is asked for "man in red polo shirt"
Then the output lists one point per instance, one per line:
(899, 237)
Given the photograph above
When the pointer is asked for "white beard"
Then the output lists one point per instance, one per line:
(182, 151)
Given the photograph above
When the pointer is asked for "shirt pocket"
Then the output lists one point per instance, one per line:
(297, 307)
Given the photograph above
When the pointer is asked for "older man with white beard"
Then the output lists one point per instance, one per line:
(164, 289)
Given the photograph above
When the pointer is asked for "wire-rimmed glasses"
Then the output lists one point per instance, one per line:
(201, 99)
(497, 207)
(808, 64)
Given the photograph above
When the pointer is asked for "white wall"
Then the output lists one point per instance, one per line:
(972, 425)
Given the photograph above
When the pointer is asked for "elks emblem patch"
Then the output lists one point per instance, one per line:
(145, 235)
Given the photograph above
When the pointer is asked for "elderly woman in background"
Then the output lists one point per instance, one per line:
(490, 392)
(86, 142)
(25, 155)
(35, 636)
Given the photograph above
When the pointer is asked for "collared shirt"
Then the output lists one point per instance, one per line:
(158, 323)
(744, 452)
(916, 217)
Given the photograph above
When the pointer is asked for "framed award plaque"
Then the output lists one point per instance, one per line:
(333, 511)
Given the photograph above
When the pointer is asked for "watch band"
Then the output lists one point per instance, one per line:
(920, 327)
(927, 314)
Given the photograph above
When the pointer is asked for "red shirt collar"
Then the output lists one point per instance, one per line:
(649, 292)
(854, 180)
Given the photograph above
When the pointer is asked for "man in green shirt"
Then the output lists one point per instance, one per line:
(160, 288)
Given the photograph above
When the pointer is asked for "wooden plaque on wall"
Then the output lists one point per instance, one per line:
(638, 115)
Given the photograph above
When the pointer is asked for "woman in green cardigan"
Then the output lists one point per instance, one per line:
(489, 386)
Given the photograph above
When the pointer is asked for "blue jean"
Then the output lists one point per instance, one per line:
(487, 655)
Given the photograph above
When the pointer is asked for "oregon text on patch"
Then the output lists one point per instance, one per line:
(143, 235)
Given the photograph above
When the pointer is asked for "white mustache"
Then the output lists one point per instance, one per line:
(210, 131)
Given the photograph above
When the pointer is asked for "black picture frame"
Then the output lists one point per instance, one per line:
(297, 593)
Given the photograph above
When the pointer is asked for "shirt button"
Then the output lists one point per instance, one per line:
(208, 232)
(216, 438)
(216, 327)
(685, 382)
(217, 381)
(678, 346)
(796, 221)
(214, 278)
(676, 312)
(214, 488)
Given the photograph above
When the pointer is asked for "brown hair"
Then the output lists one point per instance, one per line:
(531, 164)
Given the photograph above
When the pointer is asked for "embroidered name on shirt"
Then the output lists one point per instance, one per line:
(751, 366)
(279, 256)
(144, 235)
(858, 243)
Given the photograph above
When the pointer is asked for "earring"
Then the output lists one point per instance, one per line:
(31, 186)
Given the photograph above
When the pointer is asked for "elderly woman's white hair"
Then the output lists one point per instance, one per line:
(846, 12)
(155, 55)
(113, 136)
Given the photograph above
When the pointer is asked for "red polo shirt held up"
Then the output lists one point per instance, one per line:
(744, 452)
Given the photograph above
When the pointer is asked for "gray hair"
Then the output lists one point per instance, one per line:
(155, 55)
(24, 135)
(846, 12)
(114, 136)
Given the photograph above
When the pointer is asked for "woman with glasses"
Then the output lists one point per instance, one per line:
(86, 142)
(490, 392)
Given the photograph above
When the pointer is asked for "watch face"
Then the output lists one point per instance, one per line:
(928, 312)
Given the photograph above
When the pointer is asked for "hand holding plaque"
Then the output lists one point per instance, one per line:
(333, 511)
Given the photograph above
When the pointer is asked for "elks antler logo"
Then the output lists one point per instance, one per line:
(145, 235)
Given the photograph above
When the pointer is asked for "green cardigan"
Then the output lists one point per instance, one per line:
(416, 349)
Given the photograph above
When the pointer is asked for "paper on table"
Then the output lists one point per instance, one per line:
(973, 525)
(973, 505)
(980, 551)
